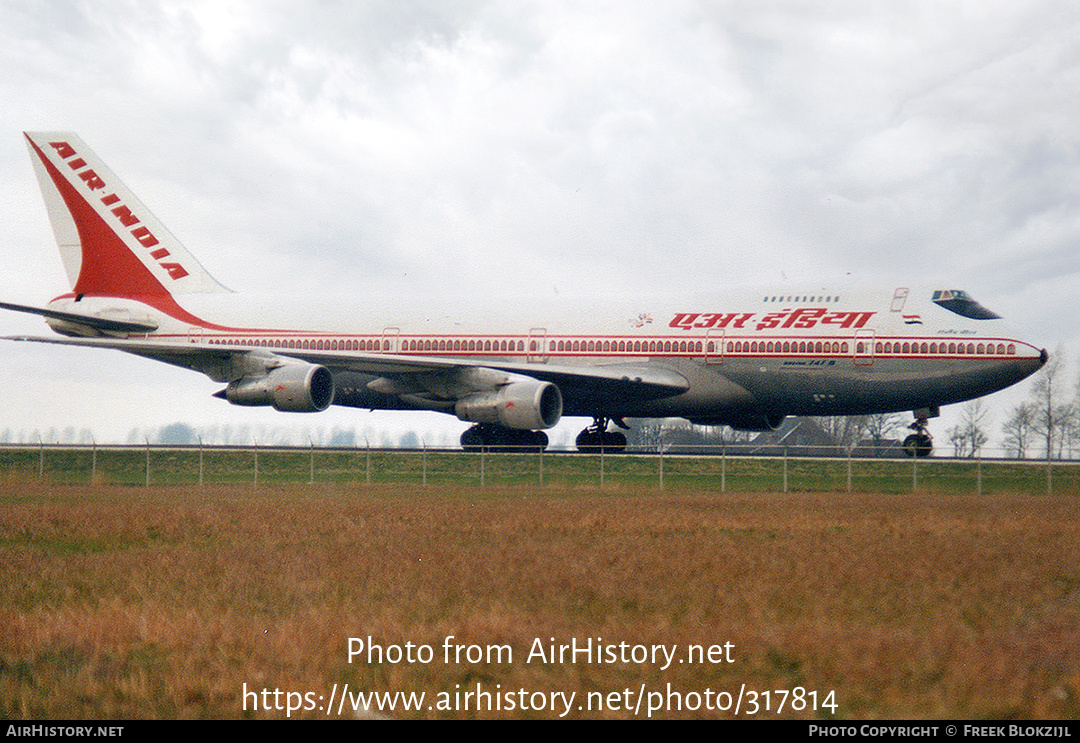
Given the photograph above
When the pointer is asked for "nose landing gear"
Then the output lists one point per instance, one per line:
(920, 443)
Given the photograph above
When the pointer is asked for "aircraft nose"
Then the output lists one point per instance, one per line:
(1043, 357)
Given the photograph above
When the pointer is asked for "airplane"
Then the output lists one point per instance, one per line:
(745, 359)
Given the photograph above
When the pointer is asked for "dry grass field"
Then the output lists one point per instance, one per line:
(170, 602)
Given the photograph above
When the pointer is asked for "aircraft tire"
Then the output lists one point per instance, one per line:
(593, 442)
(918, 445)
(472, 439)
(499, 439)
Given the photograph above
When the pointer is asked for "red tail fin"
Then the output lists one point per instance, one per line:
(110, 243)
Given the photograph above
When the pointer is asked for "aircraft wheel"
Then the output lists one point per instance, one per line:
(918, 445)
(500, 439)
(539, 440)
(473, 439)
(594, 442)
(515, 441)
(616, 442)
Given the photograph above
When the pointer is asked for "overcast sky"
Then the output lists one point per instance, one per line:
(551, 148)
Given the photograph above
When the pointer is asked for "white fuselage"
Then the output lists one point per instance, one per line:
(747, 357)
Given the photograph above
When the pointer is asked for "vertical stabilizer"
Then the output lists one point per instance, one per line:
(110, 243)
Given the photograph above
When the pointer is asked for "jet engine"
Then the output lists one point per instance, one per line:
(526, 405)
(291, 388)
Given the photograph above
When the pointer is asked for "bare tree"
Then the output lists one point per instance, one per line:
(846, 430)
(680, 432)
(1070, 425)
(880, 426)
(645, 433)
(968, 436)
(1019, 429)
(1051, 413)
(651, 434)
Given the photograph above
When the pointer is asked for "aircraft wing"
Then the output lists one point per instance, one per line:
(622, 381)
(615, 381)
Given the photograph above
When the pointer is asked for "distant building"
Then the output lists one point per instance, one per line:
(797, 437)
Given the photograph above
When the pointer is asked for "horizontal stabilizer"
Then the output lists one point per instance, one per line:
(97, 323)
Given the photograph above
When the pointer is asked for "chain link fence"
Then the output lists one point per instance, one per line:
(778, 470)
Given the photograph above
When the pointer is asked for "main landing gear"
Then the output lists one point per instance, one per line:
(920, 443)
(596, 438)
(499, 438)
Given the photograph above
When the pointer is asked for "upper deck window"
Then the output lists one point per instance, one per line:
(959, 302)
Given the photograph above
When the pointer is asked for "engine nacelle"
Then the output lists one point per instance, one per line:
(525, 405)
(292, 388)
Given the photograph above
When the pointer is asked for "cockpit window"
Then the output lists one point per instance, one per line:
(959, 302)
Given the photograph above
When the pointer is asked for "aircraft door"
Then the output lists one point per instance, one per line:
(390, 339)
(864, 347)
(714, 346)
(899, 297)
(537, 346)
